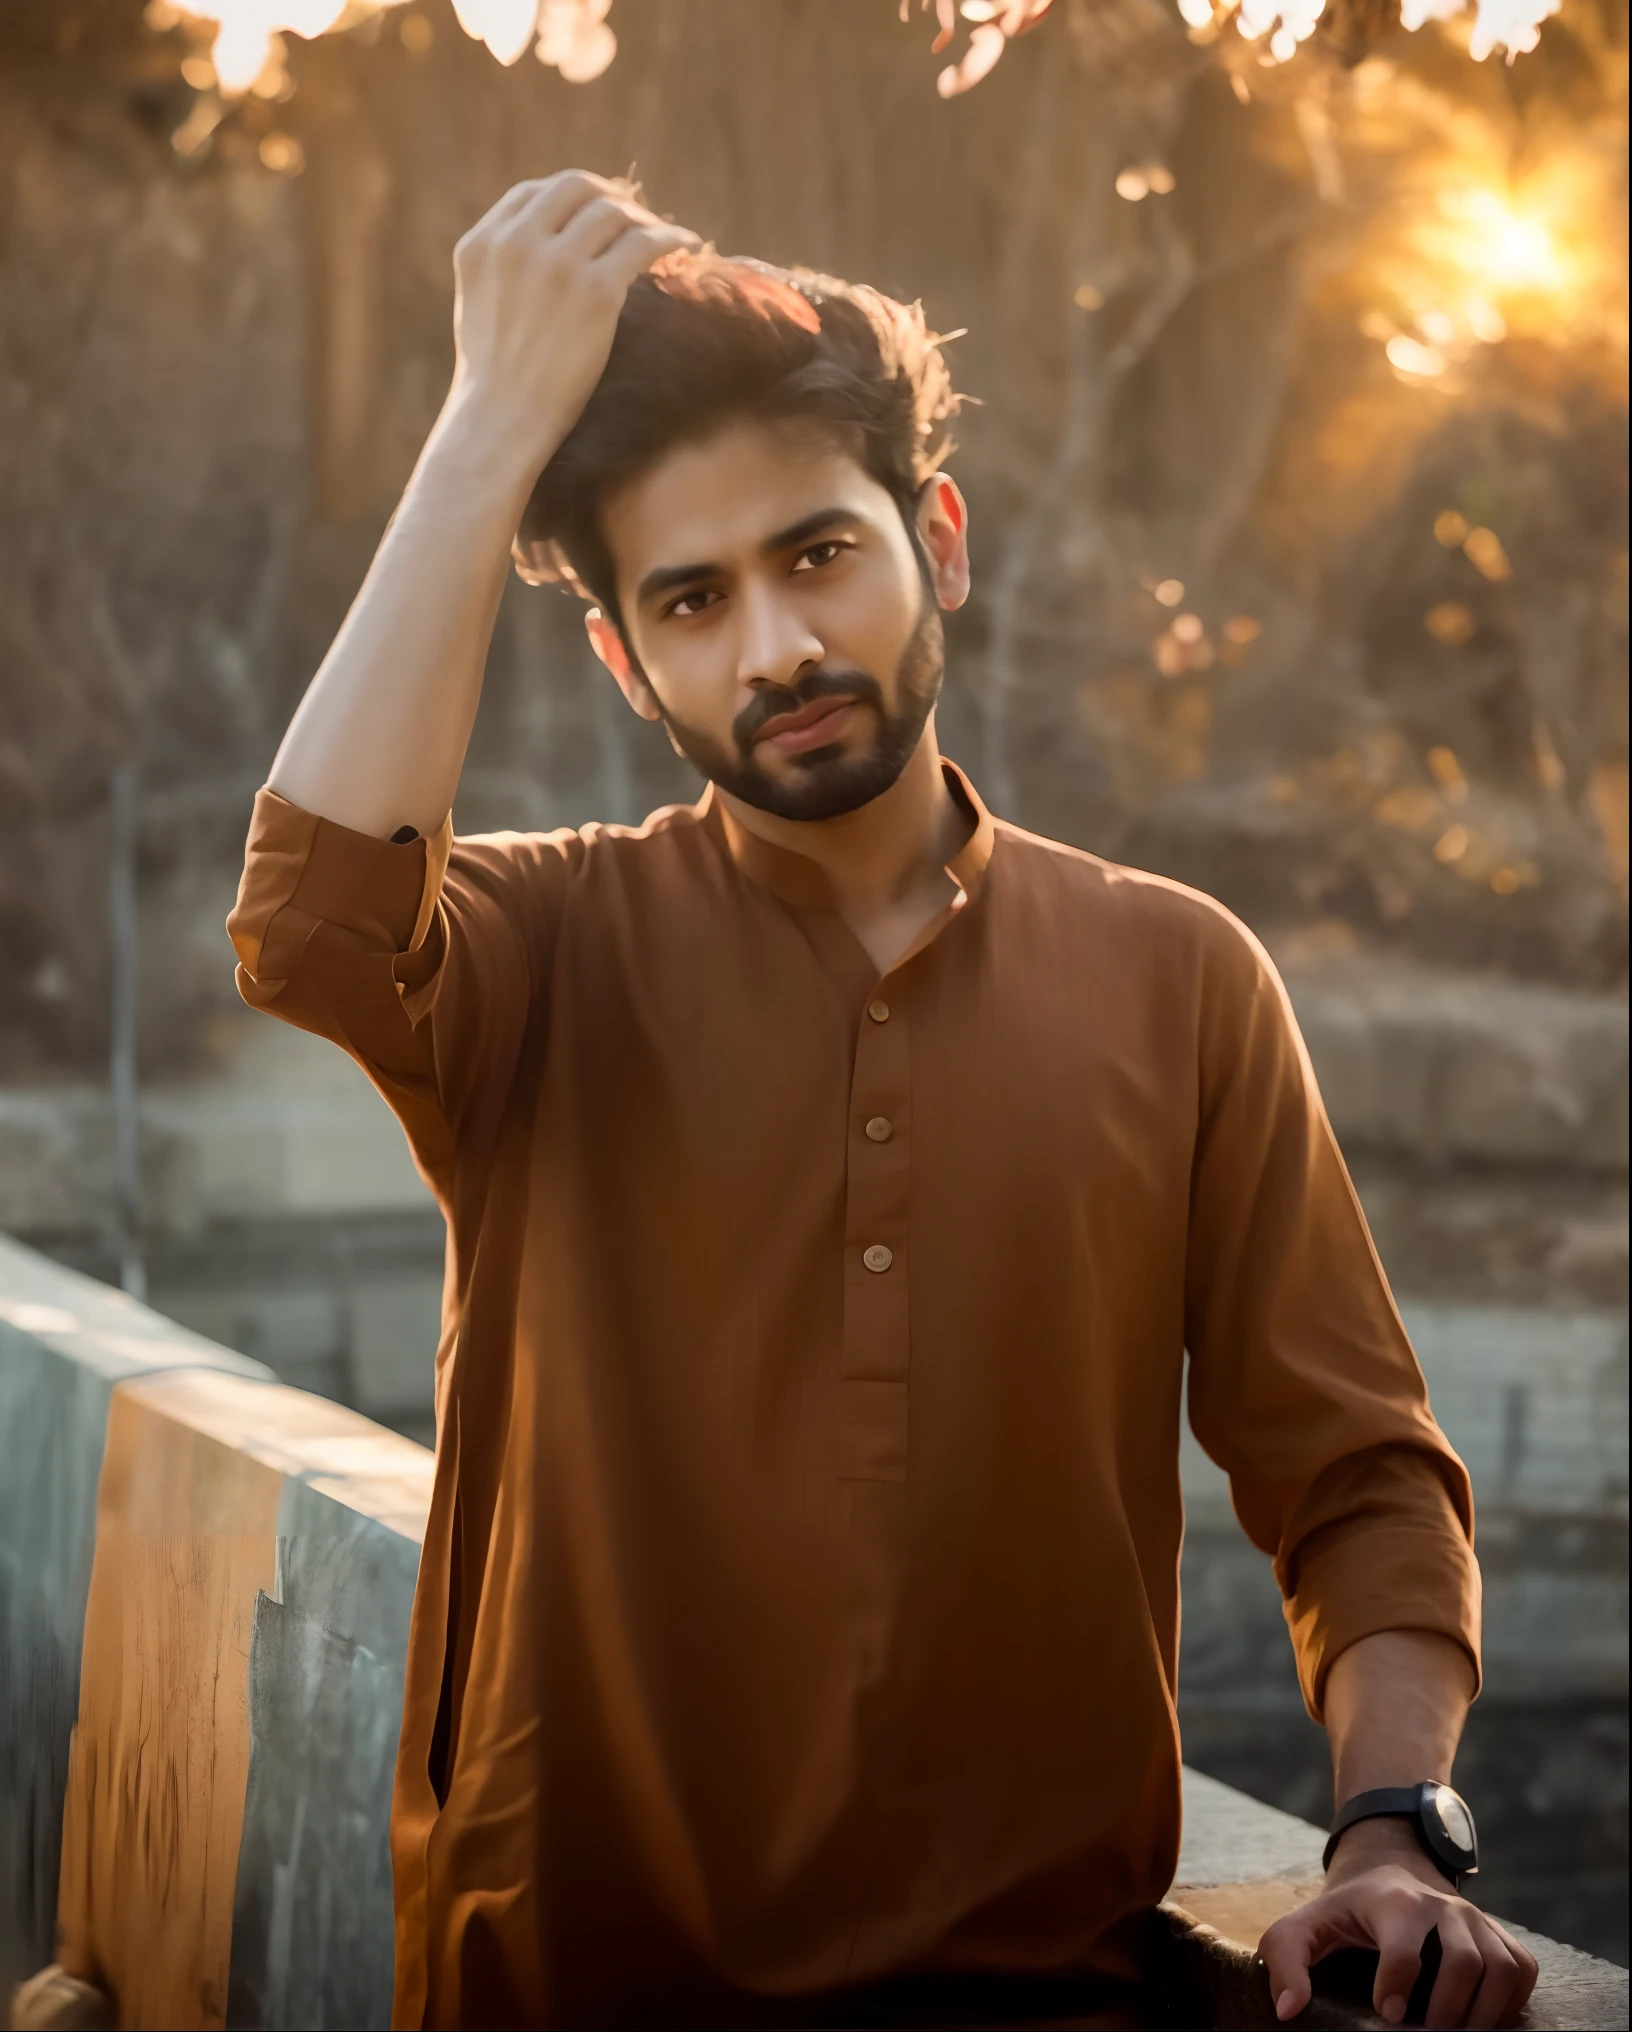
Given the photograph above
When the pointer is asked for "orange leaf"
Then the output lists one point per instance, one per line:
(985, 47)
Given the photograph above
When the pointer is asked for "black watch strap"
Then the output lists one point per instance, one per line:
(1385, 1802)
(1454, 1857)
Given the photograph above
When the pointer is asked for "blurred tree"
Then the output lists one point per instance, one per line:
(1298, 471)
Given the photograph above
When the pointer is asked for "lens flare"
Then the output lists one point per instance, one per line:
(1512, 251)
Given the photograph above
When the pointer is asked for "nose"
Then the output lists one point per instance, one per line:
(776, 642)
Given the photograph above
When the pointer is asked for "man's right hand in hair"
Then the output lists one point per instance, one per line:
(380, 737)
(540, 281)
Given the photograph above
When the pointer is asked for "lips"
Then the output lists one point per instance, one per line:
(813, 726)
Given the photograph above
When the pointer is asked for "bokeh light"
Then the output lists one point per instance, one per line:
(246, 50)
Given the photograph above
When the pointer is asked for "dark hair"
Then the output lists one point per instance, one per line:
(703, 341)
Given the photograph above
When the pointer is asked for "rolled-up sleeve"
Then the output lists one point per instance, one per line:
(301, 871)
(1303, 1385)
(422, 959)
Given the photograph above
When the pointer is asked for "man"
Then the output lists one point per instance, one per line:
(835, 1178)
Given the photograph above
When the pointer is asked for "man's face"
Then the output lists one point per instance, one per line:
(780, 617)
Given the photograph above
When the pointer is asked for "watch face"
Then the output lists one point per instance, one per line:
(1454, 1819)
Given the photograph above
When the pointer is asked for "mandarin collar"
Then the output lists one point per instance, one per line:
(801, 881)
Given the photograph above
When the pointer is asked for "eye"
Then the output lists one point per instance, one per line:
(815, 555)
(690, 603)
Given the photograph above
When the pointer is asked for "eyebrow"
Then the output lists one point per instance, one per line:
(667, 578)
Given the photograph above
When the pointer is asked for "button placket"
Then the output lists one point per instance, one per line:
(873, 1379)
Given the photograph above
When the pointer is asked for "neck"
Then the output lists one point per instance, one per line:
(886, 852)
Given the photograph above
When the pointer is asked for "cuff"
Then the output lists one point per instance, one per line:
(301, 871)
(1370, 1577)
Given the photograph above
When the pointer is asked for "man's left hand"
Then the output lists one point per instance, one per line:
(1382, 1892)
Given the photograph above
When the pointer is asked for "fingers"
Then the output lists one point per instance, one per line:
(1503, 1984)
(514, 200)
(564, 199)
(636, 251)
(545, 204)
(1461, 1966)
(1484, 1977)
(1524, 1962)
(595, 226)
(1287, 1950)
(1399, 1961)
(580, 221)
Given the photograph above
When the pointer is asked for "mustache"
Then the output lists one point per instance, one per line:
(769, 705)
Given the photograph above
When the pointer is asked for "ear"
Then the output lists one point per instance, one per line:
(943, 527)
(606, 639)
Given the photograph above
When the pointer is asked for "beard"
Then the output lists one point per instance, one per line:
(826, 782)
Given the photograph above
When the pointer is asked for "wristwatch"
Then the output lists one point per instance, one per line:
(1439, 1818)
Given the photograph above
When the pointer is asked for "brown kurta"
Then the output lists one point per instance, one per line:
(799, 1601)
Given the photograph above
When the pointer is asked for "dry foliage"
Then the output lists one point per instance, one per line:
(1216, 631)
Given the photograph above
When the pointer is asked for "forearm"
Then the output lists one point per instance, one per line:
(380, 737)
(1395, 1705)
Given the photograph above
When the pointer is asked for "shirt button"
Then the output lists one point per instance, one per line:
(879, 1011)
(878, 1257)
(880, 1129)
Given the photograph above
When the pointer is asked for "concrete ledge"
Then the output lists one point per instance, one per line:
(325, 1699)
(1242, 1866)
(66, 1344)
(252, 1713)
(263, 1695)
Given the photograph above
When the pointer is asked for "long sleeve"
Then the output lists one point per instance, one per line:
(1304, 1387)
(425, 961)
